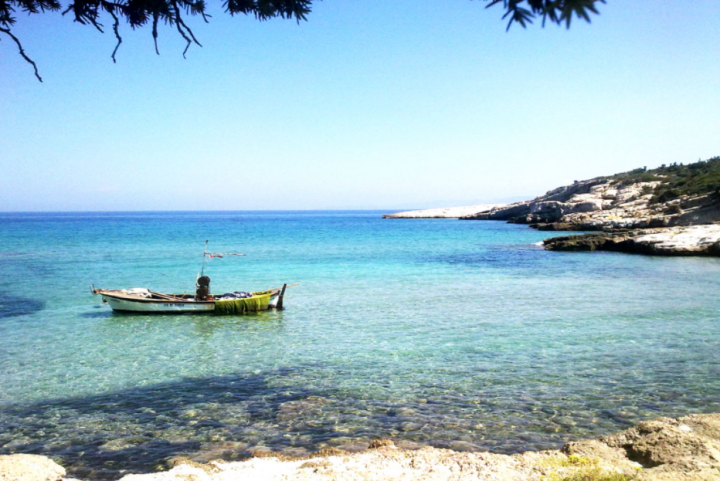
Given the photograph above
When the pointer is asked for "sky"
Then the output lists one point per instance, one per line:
(392, 104)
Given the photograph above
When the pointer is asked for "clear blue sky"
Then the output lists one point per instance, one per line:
(372, 104)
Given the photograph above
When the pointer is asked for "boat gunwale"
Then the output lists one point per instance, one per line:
(131, 298)
(126, 297)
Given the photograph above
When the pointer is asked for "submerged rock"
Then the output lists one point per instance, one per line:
(662, 449)
(381, 443)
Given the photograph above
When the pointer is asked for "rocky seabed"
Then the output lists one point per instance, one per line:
(663, 449)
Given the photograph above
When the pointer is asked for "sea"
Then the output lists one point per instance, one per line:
(430, 332)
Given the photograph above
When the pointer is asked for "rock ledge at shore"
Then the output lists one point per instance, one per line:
(663, 449)
(698, 240)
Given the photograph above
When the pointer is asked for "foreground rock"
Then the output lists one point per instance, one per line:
(29, 467)
(444, 213)
(686, 448)
(700, 240)
(663, 449)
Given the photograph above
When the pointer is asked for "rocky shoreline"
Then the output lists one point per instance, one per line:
(671, 211)
(663, 449)
(700, 240)
(605, 204)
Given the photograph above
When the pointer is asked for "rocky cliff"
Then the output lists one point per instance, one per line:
(674, 195)
(670, 210)
(608, 204)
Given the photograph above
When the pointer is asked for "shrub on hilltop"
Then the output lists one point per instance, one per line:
(702, 177)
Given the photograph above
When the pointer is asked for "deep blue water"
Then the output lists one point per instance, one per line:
(451, 333)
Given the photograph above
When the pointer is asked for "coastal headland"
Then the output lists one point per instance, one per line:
(671, 210)
(663, 449)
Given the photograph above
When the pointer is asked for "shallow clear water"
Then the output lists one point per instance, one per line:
(442, 332)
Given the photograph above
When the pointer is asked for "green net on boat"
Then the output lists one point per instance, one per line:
(241, 306)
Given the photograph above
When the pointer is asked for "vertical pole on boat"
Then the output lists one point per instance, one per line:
(202, 271)
(279, 305)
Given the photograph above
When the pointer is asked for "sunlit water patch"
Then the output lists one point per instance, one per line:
(454, 334)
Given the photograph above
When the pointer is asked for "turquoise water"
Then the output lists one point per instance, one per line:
(430, 332)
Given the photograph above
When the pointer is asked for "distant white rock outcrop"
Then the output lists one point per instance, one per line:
(444, 212)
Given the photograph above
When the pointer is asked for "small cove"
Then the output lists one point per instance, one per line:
(442, 332)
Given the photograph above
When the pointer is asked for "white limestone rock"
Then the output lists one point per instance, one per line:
(697, 239)
(29, 467)
(602, 204)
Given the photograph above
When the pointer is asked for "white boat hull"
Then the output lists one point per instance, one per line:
(128, 305)
(125, 303)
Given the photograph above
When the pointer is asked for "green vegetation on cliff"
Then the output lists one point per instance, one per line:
(702, 177)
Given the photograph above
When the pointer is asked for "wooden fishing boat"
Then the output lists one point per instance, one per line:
(147, 301)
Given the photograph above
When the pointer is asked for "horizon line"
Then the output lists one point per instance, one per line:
(193, 211)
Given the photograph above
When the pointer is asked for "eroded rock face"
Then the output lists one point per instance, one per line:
(602, 204)
(29, 467)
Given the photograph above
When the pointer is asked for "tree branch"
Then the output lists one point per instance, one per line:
(22, 51)
(154, 31)
(180, 24)
(557, 11)
(117, 34)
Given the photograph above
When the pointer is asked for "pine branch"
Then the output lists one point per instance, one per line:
(154, 31)
(117, 34)
(179, 23)
(7, 32)
(557, 11)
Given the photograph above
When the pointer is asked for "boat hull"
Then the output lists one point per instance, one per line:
(131, 305)
(123, 303)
